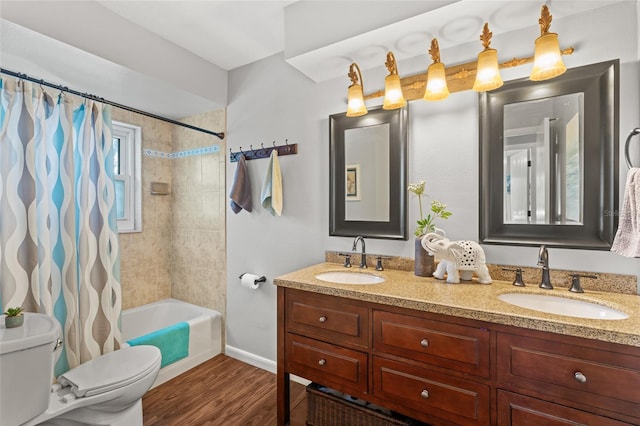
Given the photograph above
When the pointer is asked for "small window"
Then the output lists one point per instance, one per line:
(127, 174)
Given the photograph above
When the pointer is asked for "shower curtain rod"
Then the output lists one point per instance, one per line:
(22, 76)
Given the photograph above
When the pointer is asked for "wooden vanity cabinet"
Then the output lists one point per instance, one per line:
(434, 371)
(600, 378)
(427, 368)
(521, 410)
(327, 341)
(455, 347)
(445, 370)
(429, 395)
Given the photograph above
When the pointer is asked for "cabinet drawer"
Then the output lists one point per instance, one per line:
(422, 393)
(328, 318)
(593, 377)
(520, 410)
(452, 346)
(327, 364)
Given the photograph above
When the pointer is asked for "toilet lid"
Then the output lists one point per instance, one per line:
(112, 371)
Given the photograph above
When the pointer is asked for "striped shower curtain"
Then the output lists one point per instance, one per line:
(59, 251)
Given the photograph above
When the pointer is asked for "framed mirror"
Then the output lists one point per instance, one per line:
(549, 160)
(368, 174)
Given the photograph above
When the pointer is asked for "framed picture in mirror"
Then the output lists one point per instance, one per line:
(353, 182)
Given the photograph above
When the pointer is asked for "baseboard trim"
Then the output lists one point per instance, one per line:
(252, 359)
(259, 362)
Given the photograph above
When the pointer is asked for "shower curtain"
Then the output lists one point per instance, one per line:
(59, 251)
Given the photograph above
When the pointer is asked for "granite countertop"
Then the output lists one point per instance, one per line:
(476, 301)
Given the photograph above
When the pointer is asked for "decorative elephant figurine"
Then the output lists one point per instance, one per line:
(459, 259)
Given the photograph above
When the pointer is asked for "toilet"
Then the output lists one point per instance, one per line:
(106, 391)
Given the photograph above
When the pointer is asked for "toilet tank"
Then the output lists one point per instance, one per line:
(26, 367)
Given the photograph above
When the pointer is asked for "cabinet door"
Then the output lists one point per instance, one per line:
(425, 394)
(581, 376)
(330, 365)
(520, 410)
(456, 347)
(327, 318)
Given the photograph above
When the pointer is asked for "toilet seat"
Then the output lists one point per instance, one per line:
(111, 371)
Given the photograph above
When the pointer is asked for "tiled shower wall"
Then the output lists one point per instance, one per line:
(181, 251)
(145, 256)
(198, 258)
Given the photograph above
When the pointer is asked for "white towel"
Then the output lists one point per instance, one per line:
(627, 239)
(272, 186)
(240, 195)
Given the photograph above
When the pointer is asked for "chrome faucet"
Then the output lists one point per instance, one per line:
(363, 258)
(543, 260)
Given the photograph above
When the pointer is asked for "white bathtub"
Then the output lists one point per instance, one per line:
(205, 331)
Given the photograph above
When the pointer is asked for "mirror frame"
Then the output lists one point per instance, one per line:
(396, 227)
(600, 85)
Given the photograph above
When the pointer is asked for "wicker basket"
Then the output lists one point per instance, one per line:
(327, 409)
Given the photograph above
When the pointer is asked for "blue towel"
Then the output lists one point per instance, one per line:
(240, 195)
(173, 342)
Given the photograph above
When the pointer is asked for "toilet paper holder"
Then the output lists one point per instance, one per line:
(259, 280)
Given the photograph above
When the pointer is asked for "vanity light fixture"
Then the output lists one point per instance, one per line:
(547, 62)
(487, 71)
(481, 75)
(393, 97)
(355, 97)
(436, 88)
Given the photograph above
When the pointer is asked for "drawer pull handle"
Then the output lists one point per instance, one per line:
(580, 377)
(424, 343)
(424, 394)
(322, 319)
(322, 362)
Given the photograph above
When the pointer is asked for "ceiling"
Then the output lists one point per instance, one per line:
(172, 57)
(228, 34)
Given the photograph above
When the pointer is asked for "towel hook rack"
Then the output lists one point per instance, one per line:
(286, 149)
(634, 132)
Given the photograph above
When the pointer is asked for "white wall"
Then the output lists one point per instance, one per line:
(269, 100)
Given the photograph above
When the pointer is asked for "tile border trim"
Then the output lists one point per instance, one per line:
(181, 154)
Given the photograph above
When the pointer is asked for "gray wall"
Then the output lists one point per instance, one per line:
(269, 100)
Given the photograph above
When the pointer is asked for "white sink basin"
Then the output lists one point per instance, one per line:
(562, 306)
(343, 277)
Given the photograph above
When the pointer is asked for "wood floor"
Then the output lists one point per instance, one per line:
(221, 391)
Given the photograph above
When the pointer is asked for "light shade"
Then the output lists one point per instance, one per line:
(355, 96)
(436, 88)
(487, 71)
(355, 101)
(393, 97)
(547, 62)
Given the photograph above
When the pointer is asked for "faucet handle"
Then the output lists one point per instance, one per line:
(575, 282)
(518, 282)
(347, 259)
(379, 263)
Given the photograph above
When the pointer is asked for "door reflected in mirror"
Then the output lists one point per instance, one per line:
(367, 173)
(549, 160)
(544, 161)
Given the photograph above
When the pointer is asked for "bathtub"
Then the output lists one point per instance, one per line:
(205, 331)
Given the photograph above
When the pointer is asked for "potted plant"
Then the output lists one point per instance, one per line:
(14, 317)
(424, 262)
